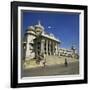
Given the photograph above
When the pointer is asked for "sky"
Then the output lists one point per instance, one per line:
(64, 26)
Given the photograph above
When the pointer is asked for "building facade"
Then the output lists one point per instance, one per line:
(37, 41)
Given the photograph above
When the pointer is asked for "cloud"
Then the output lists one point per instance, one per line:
(49, 27)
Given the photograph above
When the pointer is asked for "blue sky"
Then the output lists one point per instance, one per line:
(64, 26)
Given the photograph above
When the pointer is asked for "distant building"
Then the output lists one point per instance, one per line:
(72, 52)
(65, 52)
(37, 41)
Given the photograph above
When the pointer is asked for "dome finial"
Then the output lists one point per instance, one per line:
(39, 23)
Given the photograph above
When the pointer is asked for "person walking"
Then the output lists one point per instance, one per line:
(66, 63)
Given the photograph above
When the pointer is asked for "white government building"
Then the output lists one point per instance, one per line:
(37, 41)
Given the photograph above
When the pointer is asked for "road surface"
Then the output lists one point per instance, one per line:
(72, 68)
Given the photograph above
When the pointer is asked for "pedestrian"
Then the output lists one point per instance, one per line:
(66, 63)
(43, 60)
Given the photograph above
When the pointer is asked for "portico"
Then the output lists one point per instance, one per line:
(46, 46)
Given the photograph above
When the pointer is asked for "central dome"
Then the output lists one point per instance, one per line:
(39, 29)
(39, 26)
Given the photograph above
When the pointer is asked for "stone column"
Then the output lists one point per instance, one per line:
(42, 45)
(50, 47)
(37, 40)
(27, 53)
(36, 54)
(56, 48)
(53, 49)
(47, 47)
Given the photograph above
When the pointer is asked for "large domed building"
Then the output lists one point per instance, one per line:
(37, 41)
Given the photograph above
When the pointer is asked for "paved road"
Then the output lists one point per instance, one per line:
(72, 68)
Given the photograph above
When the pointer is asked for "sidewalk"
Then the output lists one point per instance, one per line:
(50, 60)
